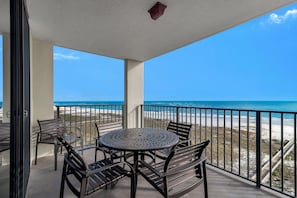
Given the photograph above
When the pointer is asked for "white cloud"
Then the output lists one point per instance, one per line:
(59, 56)
(279, 19)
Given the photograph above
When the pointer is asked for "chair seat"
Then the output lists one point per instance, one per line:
(108, 176)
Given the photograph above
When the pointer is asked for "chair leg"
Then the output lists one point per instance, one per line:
(56, 149)
(36, 148)
(82, 145)
(205, 180)
(133, 185)
(83, 187)
(95, 154)
(61, 149)
(63, 181)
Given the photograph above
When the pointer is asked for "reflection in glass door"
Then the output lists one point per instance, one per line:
(4, 93)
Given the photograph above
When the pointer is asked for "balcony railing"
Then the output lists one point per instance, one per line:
(85, 116)
(259, 146)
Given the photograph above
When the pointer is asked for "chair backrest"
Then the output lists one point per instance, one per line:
(107, 127)
(51, 128)
(182, 130)
(183, 168)
(74, 160)
(4, 136)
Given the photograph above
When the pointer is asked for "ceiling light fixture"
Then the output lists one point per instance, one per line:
(157, 10)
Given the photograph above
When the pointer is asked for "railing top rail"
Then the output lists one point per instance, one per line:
(87, 105)
(222, 109)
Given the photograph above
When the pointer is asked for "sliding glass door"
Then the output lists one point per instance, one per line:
(20, 99)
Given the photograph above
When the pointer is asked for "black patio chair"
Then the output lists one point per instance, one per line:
(183, 132)
(83, 179)
(103, 129)
(50, 129)
(181, 172)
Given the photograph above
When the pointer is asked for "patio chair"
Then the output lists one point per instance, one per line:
(183, 132)
(103, 129)
(50, 129)
(181, 172)
(83, 179)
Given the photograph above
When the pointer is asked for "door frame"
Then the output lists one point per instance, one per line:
(20, 99)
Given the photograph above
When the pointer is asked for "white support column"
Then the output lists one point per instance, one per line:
(6, 77)
(133, 92)
(41, 90)
(41, 80)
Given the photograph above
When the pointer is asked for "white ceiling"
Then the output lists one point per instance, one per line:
(123, 28)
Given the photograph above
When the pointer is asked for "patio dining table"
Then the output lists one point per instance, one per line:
(138, 140)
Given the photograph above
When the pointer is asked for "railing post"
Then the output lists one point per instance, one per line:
(177, 114)
(258, 149)
(58, 112)
(141, 116)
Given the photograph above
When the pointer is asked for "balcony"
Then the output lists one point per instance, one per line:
(248, 149)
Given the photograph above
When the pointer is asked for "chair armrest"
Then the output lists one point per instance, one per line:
(158, 173)
(185, 166)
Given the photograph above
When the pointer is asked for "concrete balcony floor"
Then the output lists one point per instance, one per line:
(45, 182)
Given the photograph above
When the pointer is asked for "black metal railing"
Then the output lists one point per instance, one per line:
(259, 146)
(85, 116)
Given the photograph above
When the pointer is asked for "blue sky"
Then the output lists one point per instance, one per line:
(253, 61)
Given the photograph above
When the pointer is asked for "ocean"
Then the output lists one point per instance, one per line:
(284, 106)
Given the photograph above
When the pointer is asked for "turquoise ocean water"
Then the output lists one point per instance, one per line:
(285, 106)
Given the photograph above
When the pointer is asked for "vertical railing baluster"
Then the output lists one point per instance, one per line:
(211, 142)
(58, 112)
(218, 123)
(248, 144)
(295, 156)
(205, 127)
(70, 115)
(258, 149)
(239, 142)
(282, 152)
(195, 126)
(224, 139)
(231, 115)
(270, 150)
(177, 114)
(90, 133)
(200, 138)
